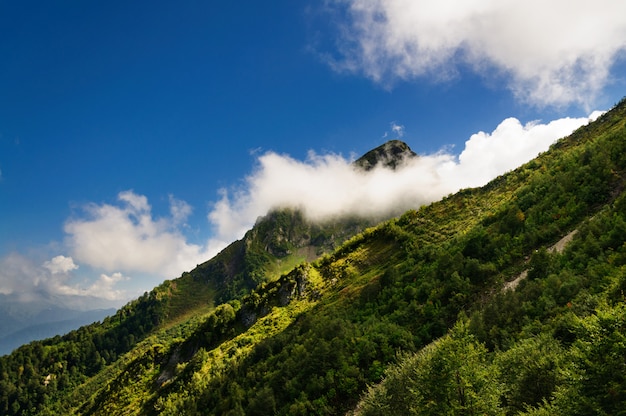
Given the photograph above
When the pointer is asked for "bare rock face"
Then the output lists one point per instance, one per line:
(281, 292)
(390, 155)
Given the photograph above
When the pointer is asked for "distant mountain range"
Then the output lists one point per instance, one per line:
(45, 326)
(23, 322)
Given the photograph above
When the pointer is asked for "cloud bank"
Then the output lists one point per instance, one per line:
(552, 53)
(324, 186)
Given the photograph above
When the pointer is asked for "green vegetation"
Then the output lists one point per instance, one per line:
(409, 317)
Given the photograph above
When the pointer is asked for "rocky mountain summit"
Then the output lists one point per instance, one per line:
(391, 154)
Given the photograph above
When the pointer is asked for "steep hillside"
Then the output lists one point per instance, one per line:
(278, 241)
(409, 317)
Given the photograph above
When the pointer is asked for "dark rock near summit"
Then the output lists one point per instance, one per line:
(391, 155)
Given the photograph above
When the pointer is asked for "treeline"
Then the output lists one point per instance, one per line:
(40, 373)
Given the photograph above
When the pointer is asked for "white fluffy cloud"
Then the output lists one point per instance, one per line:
(114, 241)
(60, 264)
(552, 52)
(127, 237)
(328, 185)
(104, 287)
(487, 155)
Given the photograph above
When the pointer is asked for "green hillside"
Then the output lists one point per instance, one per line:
(39, 375)
(417, 315)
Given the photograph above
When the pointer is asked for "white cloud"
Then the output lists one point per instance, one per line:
(60, 264)
(487, 155)
(180, 210)
(103, 287)
(127, 237)
(552, 53)
(397, 129)
(17, 274)
(328, 185)
(22, 278)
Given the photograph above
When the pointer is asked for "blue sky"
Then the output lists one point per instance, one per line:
(138, 138)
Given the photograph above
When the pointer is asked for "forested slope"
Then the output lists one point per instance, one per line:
(38, 376)
(556, 344)
(408, 317)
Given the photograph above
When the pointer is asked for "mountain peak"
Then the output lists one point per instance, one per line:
(390, 154)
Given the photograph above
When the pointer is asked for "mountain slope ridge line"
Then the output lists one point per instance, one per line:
(310, 339)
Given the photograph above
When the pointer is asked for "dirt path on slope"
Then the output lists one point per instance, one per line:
(558, 247)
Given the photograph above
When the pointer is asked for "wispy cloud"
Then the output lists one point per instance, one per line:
(53, 280)
(180, 210)
(550, 53)
(324, 186)
(397, 129)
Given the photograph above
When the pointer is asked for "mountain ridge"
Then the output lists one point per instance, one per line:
(311, 339)
(391, 154)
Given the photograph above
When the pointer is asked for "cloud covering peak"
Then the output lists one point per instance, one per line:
(127, 239)
(551, 53)
(324, 186)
